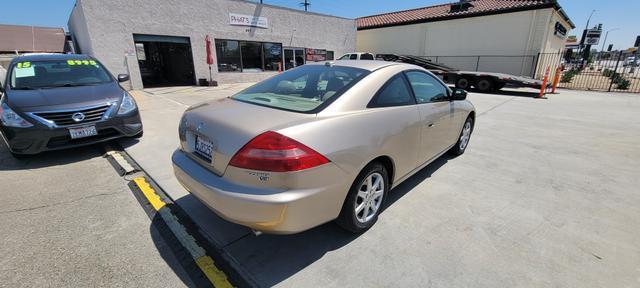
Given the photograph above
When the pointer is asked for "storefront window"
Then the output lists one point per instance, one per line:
(251, 56)
(228, 53)
(272, 56)
(247, 56)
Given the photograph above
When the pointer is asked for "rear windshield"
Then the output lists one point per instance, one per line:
(28, 75)
(302, 89)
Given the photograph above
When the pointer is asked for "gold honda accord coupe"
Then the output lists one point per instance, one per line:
(321, 142)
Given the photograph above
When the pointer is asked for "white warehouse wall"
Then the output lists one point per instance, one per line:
(508, 34)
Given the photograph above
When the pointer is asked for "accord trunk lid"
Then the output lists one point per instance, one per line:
(228, 125)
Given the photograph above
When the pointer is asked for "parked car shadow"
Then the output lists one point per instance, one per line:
(47, 159)
(518, 92)
(270, 259)
(128, 142)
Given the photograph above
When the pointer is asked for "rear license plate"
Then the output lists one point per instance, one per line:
(204, 147)
(83, 132)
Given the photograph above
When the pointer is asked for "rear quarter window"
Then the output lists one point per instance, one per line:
(393, 93)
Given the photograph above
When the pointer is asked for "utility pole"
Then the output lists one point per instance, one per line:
(605, 37)
(584, 35)
(306, 5)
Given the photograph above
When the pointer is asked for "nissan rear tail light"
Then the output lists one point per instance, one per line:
(271, 151)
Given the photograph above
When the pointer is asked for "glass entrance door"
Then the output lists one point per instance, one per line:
(293, 57)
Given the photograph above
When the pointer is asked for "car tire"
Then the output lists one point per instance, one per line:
(464, 138)
(463, 83)
(485, 85)
(363, 204)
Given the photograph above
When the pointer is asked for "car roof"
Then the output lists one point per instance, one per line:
(370, 65)
(50, 57)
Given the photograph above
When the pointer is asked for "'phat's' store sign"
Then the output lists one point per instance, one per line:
(248, 20)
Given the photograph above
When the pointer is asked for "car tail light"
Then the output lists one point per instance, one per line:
(274, 152)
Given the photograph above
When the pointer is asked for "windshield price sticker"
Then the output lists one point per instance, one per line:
(25, 72)
(24, 69)
(81, 62)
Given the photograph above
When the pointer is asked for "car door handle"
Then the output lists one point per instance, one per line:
(430, 125)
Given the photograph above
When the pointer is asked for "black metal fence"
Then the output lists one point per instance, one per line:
(606, 71)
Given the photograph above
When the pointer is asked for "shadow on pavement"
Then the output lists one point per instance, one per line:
(171, 252)
(47, 159)
(517, 93)
(271, 259)
(128, 142)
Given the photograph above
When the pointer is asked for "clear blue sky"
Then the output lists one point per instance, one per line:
(622, 14)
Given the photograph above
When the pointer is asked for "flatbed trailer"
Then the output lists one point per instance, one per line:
(485, 82)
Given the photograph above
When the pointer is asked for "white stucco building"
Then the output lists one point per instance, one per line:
(506, 34)
(162, 43)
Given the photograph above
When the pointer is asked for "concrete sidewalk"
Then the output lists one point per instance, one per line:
(546, 195)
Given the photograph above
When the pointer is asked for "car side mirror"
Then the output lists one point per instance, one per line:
(459, 94)
(123, 77)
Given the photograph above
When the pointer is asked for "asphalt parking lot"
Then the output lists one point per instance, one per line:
(68, 220)
(546, 196)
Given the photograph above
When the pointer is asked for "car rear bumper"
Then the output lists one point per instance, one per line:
(270, 210)
(40, 138)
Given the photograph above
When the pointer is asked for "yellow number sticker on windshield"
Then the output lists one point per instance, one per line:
(24, 65)
(82, 62)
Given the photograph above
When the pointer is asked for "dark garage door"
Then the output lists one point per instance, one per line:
(164, 60)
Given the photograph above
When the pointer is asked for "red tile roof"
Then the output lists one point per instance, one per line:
(442, 12)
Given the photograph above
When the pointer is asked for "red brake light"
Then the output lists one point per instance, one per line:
(274, 152)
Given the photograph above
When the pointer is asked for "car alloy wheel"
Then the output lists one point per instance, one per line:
(365, 199)
(466, 135)
(369, 198)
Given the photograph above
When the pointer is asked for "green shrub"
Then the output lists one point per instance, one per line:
(607, 72)
(616, 77)
(568, 76)
(624, 84)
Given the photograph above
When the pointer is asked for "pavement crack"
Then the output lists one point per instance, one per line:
(498, 105)
(236, 240)
(56, 204)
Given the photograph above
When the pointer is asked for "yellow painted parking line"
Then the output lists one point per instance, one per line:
(148, 192)
(216, 276)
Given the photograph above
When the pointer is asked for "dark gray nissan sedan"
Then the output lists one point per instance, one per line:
(57, 101)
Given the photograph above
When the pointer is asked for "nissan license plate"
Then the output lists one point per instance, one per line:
(82, 132)
(204, 147)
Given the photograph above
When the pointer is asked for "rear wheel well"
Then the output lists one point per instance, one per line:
(388, 165)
